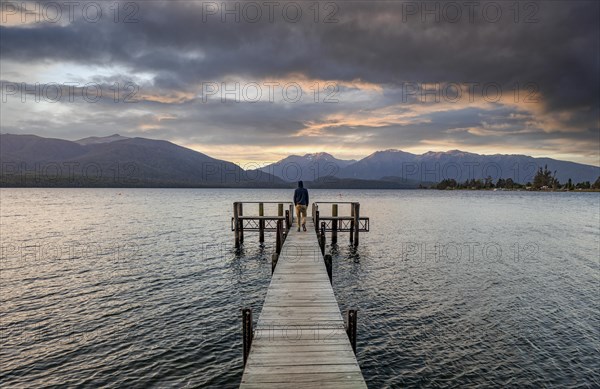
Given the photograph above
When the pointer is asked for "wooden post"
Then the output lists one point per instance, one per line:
(261, 223)
(319, 239)
(351, 327)
(279, 209)
(278, 237)
(334, 224)
(291, 215)
(323, 239)
(241, 213)
(328, 266)
(247, 332)
(236, 224)
(288, 223)
(316, 221)
(356, 222)
(274, 259)
(352, 222)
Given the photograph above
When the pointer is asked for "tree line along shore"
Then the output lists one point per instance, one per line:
(544, 180)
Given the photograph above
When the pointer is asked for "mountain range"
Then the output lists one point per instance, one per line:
(400, 166)
(115, 160)
(29, 160)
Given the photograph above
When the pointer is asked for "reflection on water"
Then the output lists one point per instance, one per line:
(143, 286)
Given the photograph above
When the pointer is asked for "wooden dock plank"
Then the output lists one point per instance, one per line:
(306, 385)
(300, 339)
(324, 368)
(305, 377)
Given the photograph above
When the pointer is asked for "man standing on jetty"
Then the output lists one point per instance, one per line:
(301, 202)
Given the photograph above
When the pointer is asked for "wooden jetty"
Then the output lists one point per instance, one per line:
(300, 339)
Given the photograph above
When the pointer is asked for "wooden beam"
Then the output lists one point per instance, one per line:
(236, 224)
(356, 222)
(334, 224)
(261, 223)
(247, 332)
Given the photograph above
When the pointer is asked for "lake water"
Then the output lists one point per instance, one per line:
(142, 287)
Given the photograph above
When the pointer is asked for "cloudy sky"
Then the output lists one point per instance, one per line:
(257, 81)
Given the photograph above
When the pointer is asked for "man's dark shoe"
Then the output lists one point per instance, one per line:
(304, 227)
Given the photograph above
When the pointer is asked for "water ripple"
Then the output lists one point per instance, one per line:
(145, 289)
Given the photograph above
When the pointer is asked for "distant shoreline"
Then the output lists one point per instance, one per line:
(291, 186)
(515, 190)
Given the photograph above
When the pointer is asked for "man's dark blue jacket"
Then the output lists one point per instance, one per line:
(301, 194)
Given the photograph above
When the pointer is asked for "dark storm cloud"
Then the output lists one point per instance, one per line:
(557, 51)
(370, 41)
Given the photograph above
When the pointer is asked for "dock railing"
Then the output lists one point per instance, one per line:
(353, 223)
(280, 223)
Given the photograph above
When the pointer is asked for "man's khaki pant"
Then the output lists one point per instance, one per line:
(301, 214)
